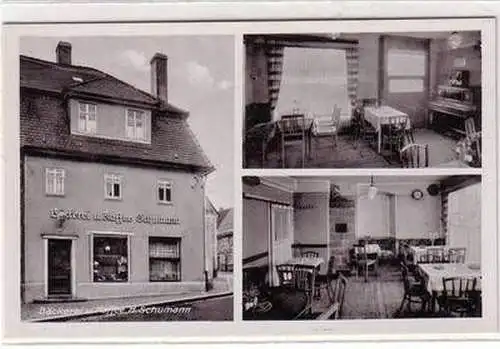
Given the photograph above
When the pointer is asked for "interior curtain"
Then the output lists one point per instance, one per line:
(274, 54)
(352, 59)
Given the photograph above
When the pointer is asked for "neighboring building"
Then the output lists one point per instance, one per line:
(225, 231)
(112, 193)
(211, 216)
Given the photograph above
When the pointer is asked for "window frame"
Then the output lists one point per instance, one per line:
(400, 77)
(164, 183)
(55, 171)
(113, 177)
(177, 240)
(135, 112)
(87, 113)
(119, 235)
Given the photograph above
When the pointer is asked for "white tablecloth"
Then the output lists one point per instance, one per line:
(382, 115)
(306, 261)
(370, 249)
(435, 272)
(419, 251)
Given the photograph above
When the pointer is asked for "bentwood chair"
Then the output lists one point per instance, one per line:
(335, 310)
(414, 155)
(458, 296)
(457, 254)
(292, 129)
(414, 292)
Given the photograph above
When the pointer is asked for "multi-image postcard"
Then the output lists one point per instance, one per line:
(272, 180)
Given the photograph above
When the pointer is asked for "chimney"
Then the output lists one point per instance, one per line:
(63, 53)
(159, 76)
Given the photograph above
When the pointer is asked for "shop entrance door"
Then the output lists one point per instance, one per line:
(59, 267)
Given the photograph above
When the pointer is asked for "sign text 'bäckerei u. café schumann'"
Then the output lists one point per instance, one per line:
(109, 216)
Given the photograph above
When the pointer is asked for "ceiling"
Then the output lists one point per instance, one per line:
(376, 179)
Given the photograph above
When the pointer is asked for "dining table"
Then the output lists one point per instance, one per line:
(383, 115)
(418, 251)
(371, 249)
(433, 274)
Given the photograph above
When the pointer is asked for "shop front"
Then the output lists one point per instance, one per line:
(81, 246)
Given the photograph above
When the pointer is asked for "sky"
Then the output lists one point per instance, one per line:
(201, 81)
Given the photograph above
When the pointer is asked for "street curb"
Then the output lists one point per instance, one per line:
(128, 307)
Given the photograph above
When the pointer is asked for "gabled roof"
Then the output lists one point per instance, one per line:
(209, 206)
(225, 221)
(72, 79)
(172, 142)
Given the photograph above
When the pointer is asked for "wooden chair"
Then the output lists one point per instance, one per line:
(362, 129)
(304, 283)
(257, 141)
(423, 258)
(457, 255)
(414, 155)
(328, 126)
(436, 255)
(395, 134)
(458, 296)
(474, 137)
(324, 281)
(335, 310)
(414, 292)
(310, 254)
(286, 275)
(292, 129)
(365, 262)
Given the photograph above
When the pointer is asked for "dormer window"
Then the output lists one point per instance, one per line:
(136, 124)
(87, 118)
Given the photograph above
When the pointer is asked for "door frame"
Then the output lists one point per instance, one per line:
(46, 239)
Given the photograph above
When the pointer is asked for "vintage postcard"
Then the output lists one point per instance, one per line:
(286, 180)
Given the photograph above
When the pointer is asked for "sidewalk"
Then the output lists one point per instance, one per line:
(66, 310)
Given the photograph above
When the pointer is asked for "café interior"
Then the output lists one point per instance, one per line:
(363, 100)
(361, 247)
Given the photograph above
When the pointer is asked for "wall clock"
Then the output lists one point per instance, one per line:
(417, 194)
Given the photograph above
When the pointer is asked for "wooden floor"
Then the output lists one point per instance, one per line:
(350, 154)
(378, 298)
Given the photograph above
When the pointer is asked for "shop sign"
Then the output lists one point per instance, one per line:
(109, 216)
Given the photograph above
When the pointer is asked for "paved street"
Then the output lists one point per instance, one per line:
(216, 309)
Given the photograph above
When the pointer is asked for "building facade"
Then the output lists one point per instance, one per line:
(112, 185)
(225, 231)
(211, 215)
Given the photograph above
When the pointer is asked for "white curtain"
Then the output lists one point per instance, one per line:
(314, 80)
(464, 220)
(281, 238)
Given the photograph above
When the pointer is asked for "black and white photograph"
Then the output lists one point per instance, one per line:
(171, 177)
(124, 183)
(363, 100)
(361, 247)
